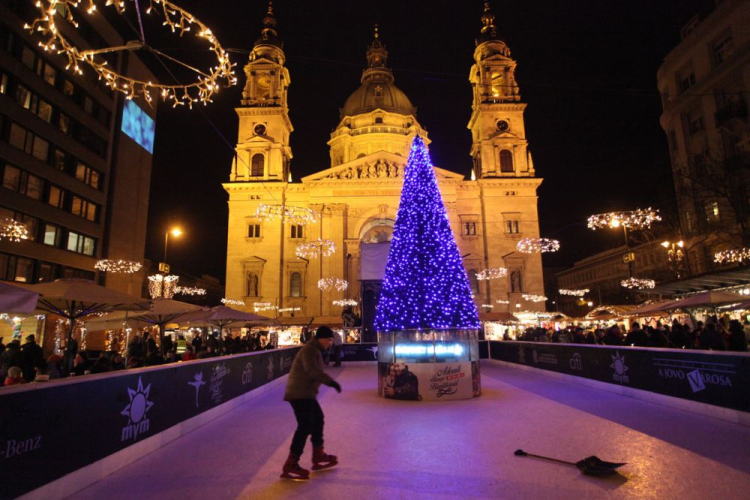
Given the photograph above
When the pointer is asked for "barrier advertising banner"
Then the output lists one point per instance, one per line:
(53, 430)
(429, 381)
(715, 378)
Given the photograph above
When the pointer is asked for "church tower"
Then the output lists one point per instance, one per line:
(499, 147)
(263, 152)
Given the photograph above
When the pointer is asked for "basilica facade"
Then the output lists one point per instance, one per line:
(355, 199)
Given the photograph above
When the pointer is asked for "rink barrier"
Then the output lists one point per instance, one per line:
(58, 437)
(718, 379)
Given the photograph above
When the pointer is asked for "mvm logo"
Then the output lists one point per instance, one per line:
(136, 411)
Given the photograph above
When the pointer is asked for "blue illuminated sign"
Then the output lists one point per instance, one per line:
(138, 125)
(429, 350)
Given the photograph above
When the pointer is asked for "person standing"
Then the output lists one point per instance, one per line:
(305, 377)
(33, 357)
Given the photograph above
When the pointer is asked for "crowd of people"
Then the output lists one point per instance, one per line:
(716, 334)
(20, 364)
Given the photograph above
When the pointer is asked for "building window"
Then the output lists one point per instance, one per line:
(470, 228)
(711, 209)
(297, 231)
(253, 231)
(257, 165)
(56, 197)
(32, 144)
(52, 235)
(47, 272)
(506, 161)
(695, 122)
(723, 49)
(685, 80)
(252, 285)
(81, 244)
(83, 208)
(473, 281)
(23, 269)
(378, 120)
(295, 285)
(511, 227)
(22, 182)
(88, 175)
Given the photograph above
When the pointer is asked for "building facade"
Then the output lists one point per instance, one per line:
(356, 197)
(69, 173)
(704, 83)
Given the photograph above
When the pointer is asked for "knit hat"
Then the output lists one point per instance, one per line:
(324, 333)
(30, 338)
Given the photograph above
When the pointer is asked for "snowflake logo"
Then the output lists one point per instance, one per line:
(618, 365)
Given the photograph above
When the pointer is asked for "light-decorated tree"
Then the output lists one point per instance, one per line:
(425, 285)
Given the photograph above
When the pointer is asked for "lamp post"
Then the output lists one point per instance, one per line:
(676, 256)
(174, 232)
(164, 267)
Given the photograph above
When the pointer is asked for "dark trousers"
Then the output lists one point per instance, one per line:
(309, 423)
(335, 355)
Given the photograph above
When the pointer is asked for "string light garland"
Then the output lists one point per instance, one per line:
(574, 293)
(636, 219)
(639, 283)
(312, 249)
(290, 309)
(13, 231)
(189, 290)
(233, 302)
(327, 284)
(533, 297)
(162, 286)
(177, 19)
(733, 255)
(488, 306)
(537, 245)
(501, 301)
(118, 266)
(425, 284)
(492, 273)
(264, 306)
(345, 303)
(291, 214)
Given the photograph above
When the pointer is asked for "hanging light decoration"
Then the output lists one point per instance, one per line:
(733, 255)
(312, 249)
(289, 309)
(636, 220)
(533, 298)
(574, 293)
(13, 231)
(327, 284)
(501, 301)
(345, 303)
(488, 306)
(264, 306)
(291, 214)
(189, 290)
(161, 286)
(537, 245)
(177, 19)
(118, 266)
(638, 283)
(233, 302)
(492, 273)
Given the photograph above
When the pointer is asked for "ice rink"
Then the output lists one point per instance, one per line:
(459, 449)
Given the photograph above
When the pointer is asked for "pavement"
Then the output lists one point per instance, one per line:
(452, 449)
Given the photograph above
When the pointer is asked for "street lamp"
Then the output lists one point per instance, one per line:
(676, 256)
(174, 232)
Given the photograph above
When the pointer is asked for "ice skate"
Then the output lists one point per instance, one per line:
(292, 469)
(321, 460)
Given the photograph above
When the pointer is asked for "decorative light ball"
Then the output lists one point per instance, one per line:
(289, 309)
(533, 297)
(162, 286)
(233, 302)
(189, 290)
(638, 283)
(574, 293)
(327, 284)
(345, 303)
(289, 213)
(501, 301)
(312, 249)
(118, 266)
(635, 220)
(733, 255)
(264, 306)
(537, 245)
(13, 231)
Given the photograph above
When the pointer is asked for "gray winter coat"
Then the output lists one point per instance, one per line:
(307, 373)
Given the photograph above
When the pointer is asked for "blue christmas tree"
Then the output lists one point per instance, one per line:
(425, 285)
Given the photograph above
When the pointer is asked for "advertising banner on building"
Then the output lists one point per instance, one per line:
(53, 430)
(715, 378)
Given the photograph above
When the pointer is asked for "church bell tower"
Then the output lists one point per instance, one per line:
(499, 147)
(263, 152)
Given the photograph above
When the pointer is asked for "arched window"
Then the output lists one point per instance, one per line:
(252, 285)
(473, 281)
(256, 170)
(295, 285)
(506, 161)
(516, 281)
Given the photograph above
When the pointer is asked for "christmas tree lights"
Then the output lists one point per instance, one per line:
(425, 284)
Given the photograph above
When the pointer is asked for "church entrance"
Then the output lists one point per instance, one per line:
(374, 247)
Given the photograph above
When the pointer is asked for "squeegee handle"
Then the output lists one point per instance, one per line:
(521, 453)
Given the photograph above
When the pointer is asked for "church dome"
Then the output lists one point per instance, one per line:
(378, 94)
(377, 90)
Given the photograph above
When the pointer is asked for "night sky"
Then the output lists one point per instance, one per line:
(586, 69)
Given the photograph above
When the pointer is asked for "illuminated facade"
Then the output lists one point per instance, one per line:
(357, 196)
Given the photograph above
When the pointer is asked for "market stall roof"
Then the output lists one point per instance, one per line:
(610, 312)
(705, 299)
(505, 317)
(651, 308)
(705, 282)
(295, 321)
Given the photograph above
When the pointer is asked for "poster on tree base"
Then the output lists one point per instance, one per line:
(429, 381)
